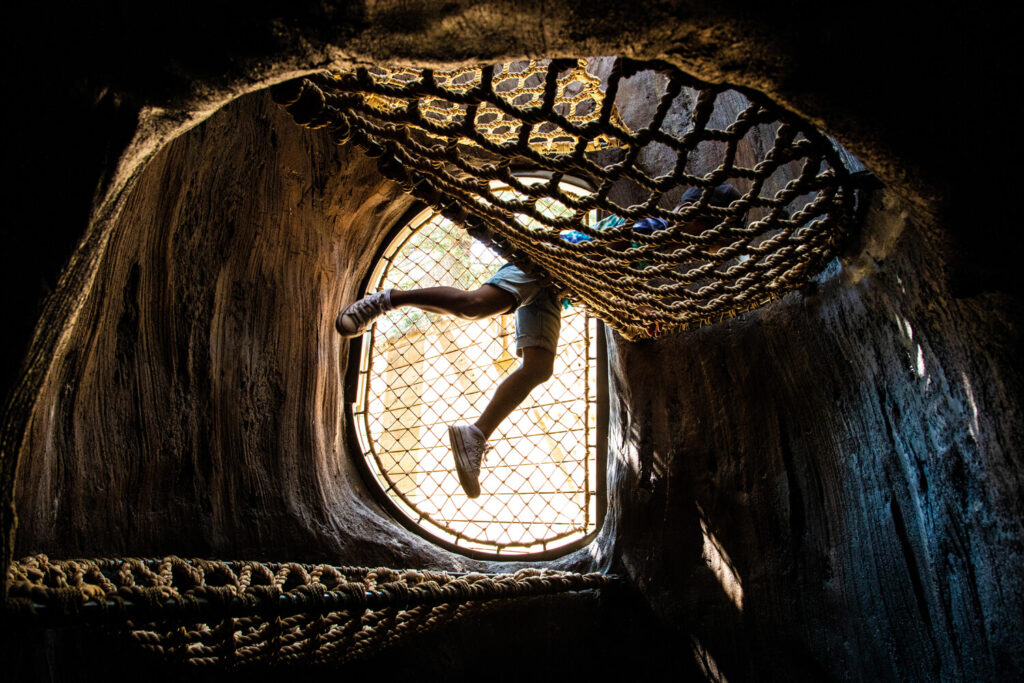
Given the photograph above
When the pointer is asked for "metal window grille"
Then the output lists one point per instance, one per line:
(421, 372)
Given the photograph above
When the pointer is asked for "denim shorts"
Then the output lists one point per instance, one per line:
(538, 313)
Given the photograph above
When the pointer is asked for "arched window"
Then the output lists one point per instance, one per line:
(543, 488)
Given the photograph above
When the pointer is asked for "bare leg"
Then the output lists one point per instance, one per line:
(476, 304)
(485, 302)
(536, 368)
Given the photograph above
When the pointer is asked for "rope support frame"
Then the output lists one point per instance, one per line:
(208, 612)
(642, 285)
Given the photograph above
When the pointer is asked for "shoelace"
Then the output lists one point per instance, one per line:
(363, 310)
(366, 310)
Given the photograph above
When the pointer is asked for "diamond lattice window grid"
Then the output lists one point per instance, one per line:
(421, 372)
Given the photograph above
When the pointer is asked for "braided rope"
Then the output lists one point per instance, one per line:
(209, 612)
(521, 85)
(456, 138)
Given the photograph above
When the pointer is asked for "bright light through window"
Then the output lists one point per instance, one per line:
(421, 372)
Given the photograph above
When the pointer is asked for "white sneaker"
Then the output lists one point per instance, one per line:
(469, 446)
(357, 317)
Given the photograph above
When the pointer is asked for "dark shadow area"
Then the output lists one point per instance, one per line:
(599, 637)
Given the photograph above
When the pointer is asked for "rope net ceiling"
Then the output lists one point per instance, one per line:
(519, 86)
(638, 134)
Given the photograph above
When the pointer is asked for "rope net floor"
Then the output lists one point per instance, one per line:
(239, 614)
(452, 137)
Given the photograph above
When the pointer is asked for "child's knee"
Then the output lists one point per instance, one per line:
(485, 302)
(538, 364)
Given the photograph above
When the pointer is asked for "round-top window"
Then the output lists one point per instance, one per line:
(420, 372)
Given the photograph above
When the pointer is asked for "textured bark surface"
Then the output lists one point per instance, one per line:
(850, 454)
(829, 487)
(196, 404)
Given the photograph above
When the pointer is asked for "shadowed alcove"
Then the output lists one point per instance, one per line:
(826, 487)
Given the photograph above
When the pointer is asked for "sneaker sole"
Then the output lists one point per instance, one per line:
(343, 331)
(347, 325)
(472, 488)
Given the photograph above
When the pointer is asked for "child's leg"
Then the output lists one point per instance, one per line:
(476, 304)
(535, 369)
(469, 442)
(537, 326)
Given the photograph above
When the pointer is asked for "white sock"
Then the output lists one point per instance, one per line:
(386, 299)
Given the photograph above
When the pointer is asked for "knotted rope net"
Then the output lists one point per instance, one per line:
(206, 612)
(634, 135)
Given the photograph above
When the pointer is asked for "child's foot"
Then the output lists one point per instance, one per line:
(357, 317)
(469, 446)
